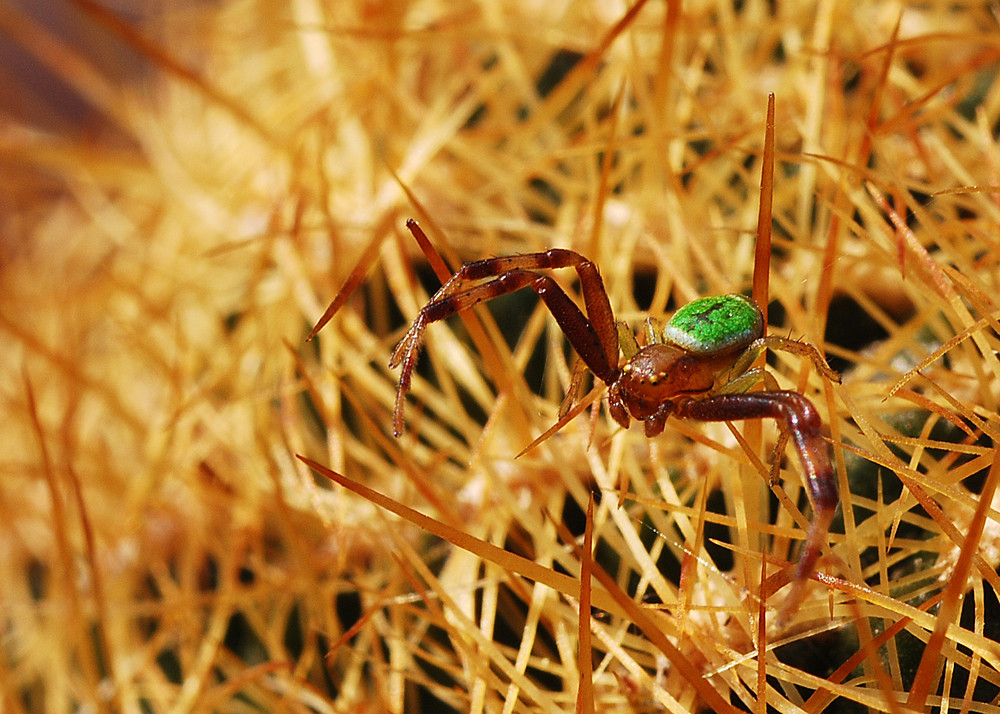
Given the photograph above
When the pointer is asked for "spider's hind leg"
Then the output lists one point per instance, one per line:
(802, 349)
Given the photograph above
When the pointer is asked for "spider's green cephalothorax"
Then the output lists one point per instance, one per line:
(715, 325)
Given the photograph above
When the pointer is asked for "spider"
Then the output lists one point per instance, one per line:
(699, 365)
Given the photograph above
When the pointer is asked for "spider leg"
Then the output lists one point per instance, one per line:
(743, 383)
(756, 349)
(803, 425)
(802, 349)
(594, 339)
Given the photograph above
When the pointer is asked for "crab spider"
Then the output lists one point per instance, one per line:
(699, 366)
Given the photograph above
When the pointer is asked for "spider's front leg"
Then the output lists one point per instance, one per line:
(594, 339)
(804, 426)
